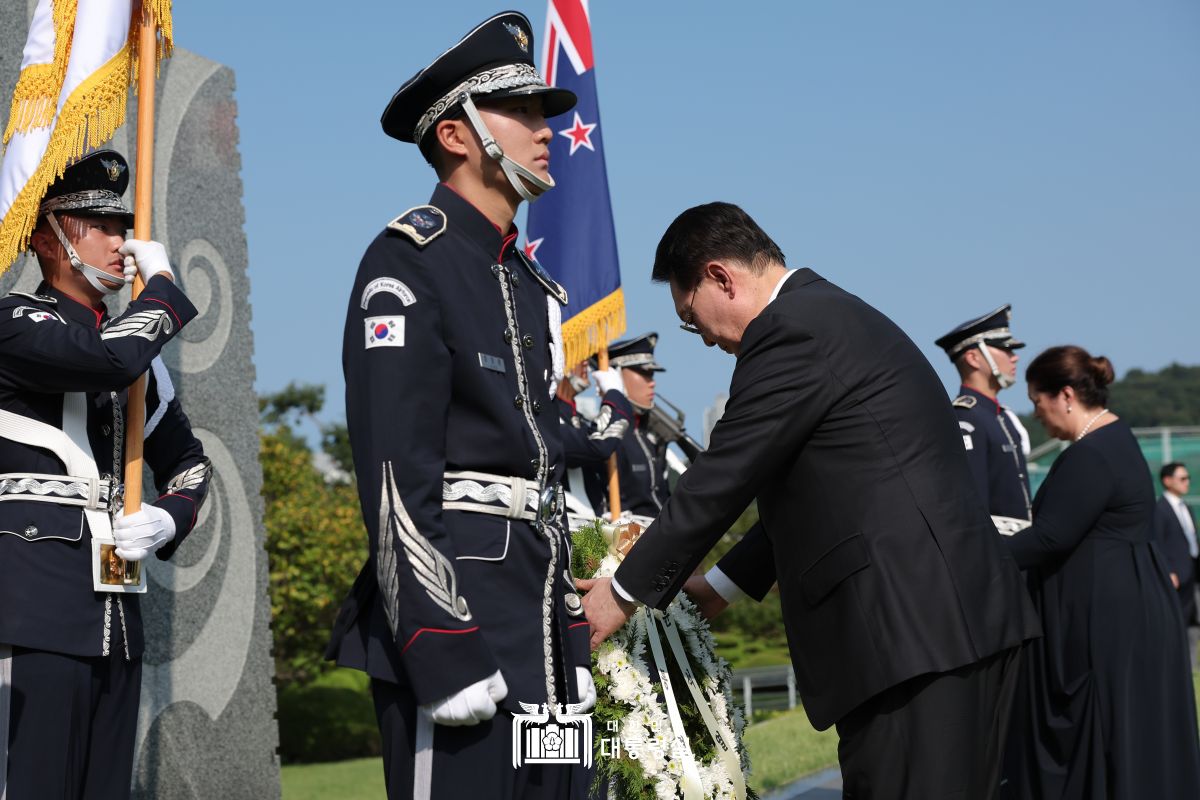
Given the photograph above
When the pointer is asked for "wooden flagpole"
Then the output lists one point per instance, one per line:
(135, 422)
(614, 483)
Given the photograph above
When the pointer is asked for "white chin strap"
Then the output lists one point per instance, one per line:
(520, 177)
(1003, 379)
(100, 280)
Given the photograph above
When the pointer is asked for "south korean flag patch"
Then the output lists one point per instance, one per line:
(385, 331)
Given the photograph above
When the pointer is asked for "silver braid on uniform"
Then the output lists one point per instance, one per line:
(509, 76)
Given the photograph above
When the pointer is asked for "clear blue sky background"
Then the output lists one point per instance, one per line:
(937, 158)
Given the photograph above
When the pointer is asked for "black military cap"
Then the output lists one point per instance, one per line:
(992, 329)
(495, 60)
(92, 185)
(635, 352)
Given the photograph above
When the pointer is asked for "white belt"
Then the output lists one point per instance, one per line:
(501, 495)
(70, 445)
(62, 490)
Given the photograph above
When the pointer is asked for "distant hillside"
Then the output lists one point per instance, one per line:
(1170, 396)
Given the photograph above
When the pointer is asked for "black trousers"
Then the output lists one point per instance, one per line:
(425, 761)
(932, 737)
(72, 723)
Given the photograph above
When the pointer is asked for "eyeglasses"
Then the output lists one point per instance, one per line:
(688, 324)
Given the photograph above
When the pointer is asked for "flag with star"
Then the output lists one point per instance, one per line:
(570, 229)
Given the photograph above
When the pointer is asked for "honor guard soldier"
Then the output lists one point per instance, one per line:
(642, 457)
(71, 638)
(588, 443)
(983, 351)
(465, 613)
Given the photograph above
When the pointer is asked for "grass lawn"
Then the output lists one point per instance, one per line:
(360, 779)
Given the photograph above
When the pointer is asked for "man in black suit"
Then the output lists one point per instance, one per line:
(904, 617)
(1175, 532)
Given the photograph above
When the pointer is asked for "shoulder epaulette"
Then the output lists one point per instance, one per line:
(39, 298)
(964, 401)
(422, 224)
(543, 277)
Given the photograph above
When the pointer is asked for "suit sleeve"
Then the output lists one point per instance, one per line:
(181, 470)
(593, 446)
(781, 390)
(398, 391)
(1168, 536)
(1072, 499)
(85, 359)
(975, 442)
(751, 563)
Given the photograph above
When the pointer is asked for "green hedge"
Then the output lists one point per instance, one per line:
(330, 719)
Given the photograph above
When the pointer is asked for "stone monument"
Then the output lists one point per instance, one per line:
(207, 723)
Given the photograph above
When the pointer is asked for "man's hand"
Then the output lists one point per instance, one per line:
(704, 596)
(605, 610)
(471, 705)
(141, 533)
(150, 259)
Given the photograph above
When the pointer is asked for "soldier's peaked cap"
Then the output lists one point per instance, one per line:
(92, 185)
(492, 62)
(992, 328)
(637, 352)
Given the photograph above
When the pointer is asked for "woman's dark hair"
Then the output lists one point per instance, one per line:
(711, 231)
(1068, 365)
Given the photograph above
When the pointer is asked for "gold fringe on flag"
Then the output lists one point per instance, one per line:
(594, 327)
(89, 118)
(35, 97)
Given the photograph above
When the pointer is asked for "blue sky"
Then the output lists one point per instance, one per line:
(937, 158)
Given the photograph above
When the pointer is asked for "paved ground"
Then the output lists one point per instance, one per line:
(825, 785)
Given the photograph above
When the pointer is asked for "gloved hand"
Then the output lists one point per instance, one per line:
(607, 379)
(143, 532)
(587, 689)
(150, 258)
(471, 705)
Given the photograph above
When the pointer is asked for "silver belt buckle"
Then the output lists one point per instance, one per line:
(551, 502)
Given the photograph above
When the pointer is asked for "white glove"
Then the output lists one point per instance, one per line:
(150, 258)
(471, 705)
(143, 532)
(608, 379)
(587, 689)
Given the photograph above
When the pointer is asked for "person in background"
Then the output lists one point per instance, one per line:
(983, 351)
(587, 443)
(1106, 707)
(1175, 532)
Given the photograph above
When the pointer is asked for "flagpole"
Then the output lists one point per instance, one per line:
(135, 422)
(614, 483)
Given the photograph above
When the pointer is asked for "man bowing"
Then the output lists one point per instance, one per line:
(903, 615)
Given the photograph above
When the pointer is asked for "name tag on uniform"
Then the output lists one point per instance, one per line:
(385, 331)
(1008, 448)
(639, 467)
(494, 363)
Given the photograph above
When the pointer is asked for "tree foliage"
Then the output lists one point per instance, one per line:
(315, 539)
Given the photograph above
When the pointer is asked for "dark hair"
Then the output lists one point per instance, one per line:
(1068, 365)
(1168, 470)
(702, 233)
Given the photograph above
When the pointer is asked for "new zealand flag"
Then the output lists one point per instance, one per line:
(570, 229)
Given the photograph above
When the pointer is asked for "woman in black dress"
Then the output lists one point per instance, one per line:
(1106, 707)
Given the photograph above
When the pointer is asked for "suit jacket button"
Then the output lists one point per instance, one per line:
(519, 401)
(528, 341)
(516, 279)
(537, 407)
(30, 531)
(508, 335)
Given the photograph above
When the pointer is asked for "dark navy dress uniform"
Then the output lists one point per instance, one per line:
(448, 364)
(73, 655)
(588, 443)
(994, 451)
(642, 457)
